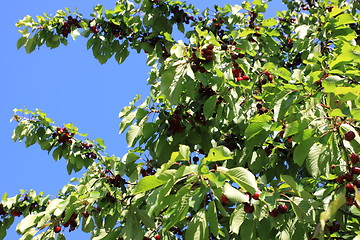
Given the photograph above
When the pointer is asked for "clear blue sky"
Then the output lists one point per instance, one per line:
(70, 86)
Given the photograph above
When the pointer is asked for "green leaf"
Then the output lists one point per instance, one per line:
(147, 183)
(253, 129)
(289, 180)
(132, 134)
(219, 153)
(26, 223)
(167, 78)
(284, 73)
(30, 45)
(212, 218)
(302, 209)
(269, 22)
(302, 150)
(209, 106)
(21, 42)
(237, 218)
(88, 224)
(146, 220)
(244, 178)
(302, 31)
(247, 231)
(198, 229)
(234, 195)
(313, 159)
(57, 153)
(332, 208)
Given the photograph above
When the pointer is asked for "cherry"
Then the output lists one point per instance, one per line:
(256, 195)
(85, 214)
(245, 77)
(349, 201)
(267, 73)
(239, 79)
(335, 226)
(355, 170)
(340, 179)
(57, 229)
(158, 237)
(357, 183)
(195, 159)
(248, 208)
(208, 52)
(354, 158)
(349, 177)
(210, 47)
(270, 77)
(274, 212)
(257, 28)
(224, 199)
(282, 208)
(349, 187)
(349, 136)
(16, 213)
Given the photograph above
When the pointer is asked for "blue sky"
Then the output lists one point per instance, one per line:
(70, 86)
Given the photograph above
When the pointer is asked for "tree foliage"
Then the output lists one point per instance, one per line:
(250, 130)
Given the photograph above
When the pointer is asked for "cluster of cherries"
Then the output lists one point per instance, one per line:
(291, 20)
(268, 77)
(180, 16)
(66, 27)
(14, 212)
(238, 73)
(86, 146)
(249, 208)
(176, 120)
(232, 141)
(207, 52)
(95, 28)
(63, 135)
(196, 63)
(348, 177)
(261, 109)
(148, 171)
(115, 181)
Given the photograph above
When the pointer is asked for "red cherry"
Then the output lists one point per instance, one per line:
(340, 179)
(224, 199)
(245, 77)
(248, 208)
(354, 158)
(239, 79)
(349, 187)
(257, 28)
(267, 73)
(355, 170)
(356, 182)
(158, 237)
(349, 136)
(270, 77)
(16, 213)
(256, 195)
(57, 229)
(210, 46)
(349, 201)
(85, 214)
(282, 208)
(209, 52)
(274, 212)
(349, 177)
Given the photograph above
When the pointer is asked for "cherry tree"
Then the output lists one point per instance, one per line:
(250, 129)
